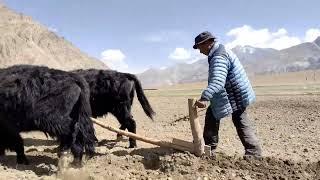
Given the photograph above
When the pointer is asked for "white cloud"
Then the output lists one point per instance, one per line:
(137, 70)
(196, 56)
(284, 42)
(280, 32)
(53, 29)
(262, 38)
(114, 59)
(186, 55)
(163, 67)
(180, 54)
(312, 34)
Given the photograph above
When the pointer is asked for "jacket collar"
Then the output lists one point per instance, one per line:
(214, 48)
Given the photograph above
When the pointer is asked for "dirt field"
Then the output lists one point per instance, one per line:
(287, 121)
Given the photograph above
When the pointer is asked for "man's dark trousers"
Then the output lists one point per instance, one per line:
(244, 129)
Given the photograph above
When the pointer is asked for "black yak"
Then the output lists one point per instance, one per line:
(112, 91)
(48, 100)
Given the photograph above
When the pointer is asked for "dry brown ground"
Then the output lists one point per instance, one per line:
(287, 123)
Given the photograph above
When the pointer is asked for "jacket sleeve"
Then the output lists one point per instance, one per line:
(218, 71)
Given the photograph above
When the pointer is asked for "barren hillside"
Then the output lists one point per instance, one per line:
(24, 41)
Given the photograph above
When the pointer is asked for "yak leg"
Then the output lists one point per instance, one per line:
(2, 152)
(12, 140)
(56, 117)
(124, 116)
(21, 157)
(122, 127)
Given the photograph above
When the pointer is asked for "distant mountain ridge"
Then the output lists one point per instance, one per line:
(305, 56)
(24, 41)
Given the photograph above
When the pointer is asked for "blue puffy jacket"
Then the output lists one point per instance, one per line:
(228, 88)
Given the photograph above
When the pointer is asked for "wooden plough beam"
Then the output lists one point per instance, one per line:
(196, 147)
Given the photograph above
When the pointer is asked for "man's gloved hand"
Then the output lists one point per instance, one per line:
(201, 104)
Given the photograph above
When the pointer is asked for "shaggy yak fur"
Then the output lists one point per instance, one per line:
(112, 91)
(52, 101)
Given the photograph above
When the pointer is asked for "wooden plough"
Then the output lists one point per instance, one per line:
(196, 147)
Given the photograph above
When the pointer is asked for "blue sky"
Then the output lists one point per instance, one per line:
(135, 35)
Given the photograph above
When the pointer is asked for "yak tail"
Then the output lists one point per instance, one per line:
(141, 96)
(84, 125)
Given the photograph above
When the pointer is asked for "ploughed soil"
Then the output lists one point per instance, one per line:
(288, 128)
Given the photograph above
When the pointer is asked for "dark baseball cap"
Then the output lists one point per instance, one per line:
(201, 38)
